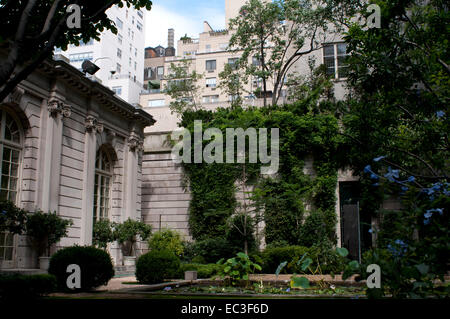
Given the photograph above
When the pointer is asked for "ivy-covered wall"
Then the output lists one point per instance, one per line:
(280, 199)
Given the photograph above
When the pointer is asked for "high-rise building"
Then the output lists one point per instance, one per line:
(120, 56)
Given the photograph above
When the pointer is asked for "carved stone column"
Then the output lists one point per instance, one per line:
(90, 144)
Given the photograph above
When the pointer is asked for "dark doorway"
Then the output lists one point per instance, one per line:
(350, 218)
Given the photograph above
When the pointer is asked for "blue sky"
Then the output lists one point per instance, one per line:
(185, 16)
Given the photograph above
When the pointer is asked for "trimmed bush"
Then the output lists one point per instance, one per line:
(167, 239)
(26, 286)
(203, 270)
(157, 265)
(95, 264)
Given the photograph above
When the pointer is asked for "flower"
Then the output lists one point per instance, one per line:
(411, 179)
(368, 169)
(391, 174)
(370, 231)
(374, 176)
(440, 114)
(288, 289)
(398, 249)
(167, 288)
(428, 214)
(377, 159)
(332, 287)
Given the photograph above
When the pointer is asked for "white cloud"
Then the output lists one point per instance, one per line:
(160, 19)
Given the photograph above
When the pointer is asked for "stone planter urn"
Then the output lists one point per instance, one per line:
(44, 263)
(129, 260)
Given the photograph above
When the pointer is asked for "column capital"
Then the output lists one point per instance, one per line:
(56, 106)
(135, 142)
(92, 124)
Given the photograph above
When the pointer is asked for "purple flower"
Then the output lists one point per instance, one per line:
(374, 176)
(370, 231)
(368, 169)
(377, 159)
(411, 179)
(428, 214)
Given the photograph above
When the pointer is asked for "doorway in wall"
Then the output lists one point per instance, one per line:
(355, 226)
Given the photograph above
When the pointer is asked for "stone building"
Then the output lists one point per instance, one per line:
(69, 145)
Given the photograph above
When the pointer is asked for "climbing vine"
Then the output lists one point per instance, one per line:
(280, 199)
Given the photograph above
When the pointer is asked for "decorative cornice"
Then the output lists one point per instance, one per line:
(15, 96)
(92, 125)
(135, 142)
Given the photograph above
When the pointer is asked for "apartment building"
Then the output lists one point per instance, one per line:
(120, 56)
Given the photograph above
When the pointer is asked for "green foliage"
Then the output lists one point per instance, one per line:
(240, 232)
(128, 233)
(29, 39)
(13, 287)
(103, 233)
(238, 268)
(203, 270)
(157, 265)
(272, 257)
(166, 239)
(263, 22)
(95, 265)
(12, 218)
(210, 250)
(46, 229)
(182, 87)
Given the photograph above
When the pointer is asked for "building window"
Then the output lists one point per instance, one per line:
(211, 82)
(135, 65)
(160, 71)
(233, 63)
(119, 53)
(117, 90)
(131, 47)
(79, 57)
(119, 38)
(208, 48)
(102, 185)
(132, 35)
(156, 103)
(223, 46)
(135, 52)
(132, 20)
(129, 62)
(256, 61)
(211, 99)
(139, 13)
(119, 23)
(90, 42)
(210, 65)
(334, 56)
(118, 68)
(10, 151)
(139, 26)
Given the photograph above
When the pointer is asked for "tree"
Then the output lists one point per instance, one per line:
(31, 29)
(397, 122)
(276, 35)
(181, 86)
(232, 81)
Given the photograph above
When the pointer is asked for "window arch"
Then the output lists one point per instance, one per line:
(11, 140)
(102, 184)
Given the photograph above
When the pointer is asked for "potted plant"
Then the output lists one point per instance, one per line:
(128, 234)
(103, 233)
(45, 230)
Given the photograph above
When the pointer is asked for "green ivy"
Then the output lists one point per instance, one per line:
(281, 199)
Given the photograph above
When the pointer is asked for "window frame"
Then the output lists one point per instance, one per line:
(336, 74)
(104, 197)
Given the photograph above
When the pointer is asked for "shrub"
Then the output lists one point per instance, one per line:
(46, 229)
(103, 233)
(128, 233)
(203, 270)
(273, 256)
(12, 218)
(95, 264)
(157, 265)
(211, 249)
(26, 286)
(167, 239)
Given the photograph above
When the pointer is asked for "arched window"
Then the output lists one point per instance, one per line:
(102, 185)
(10, 152)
